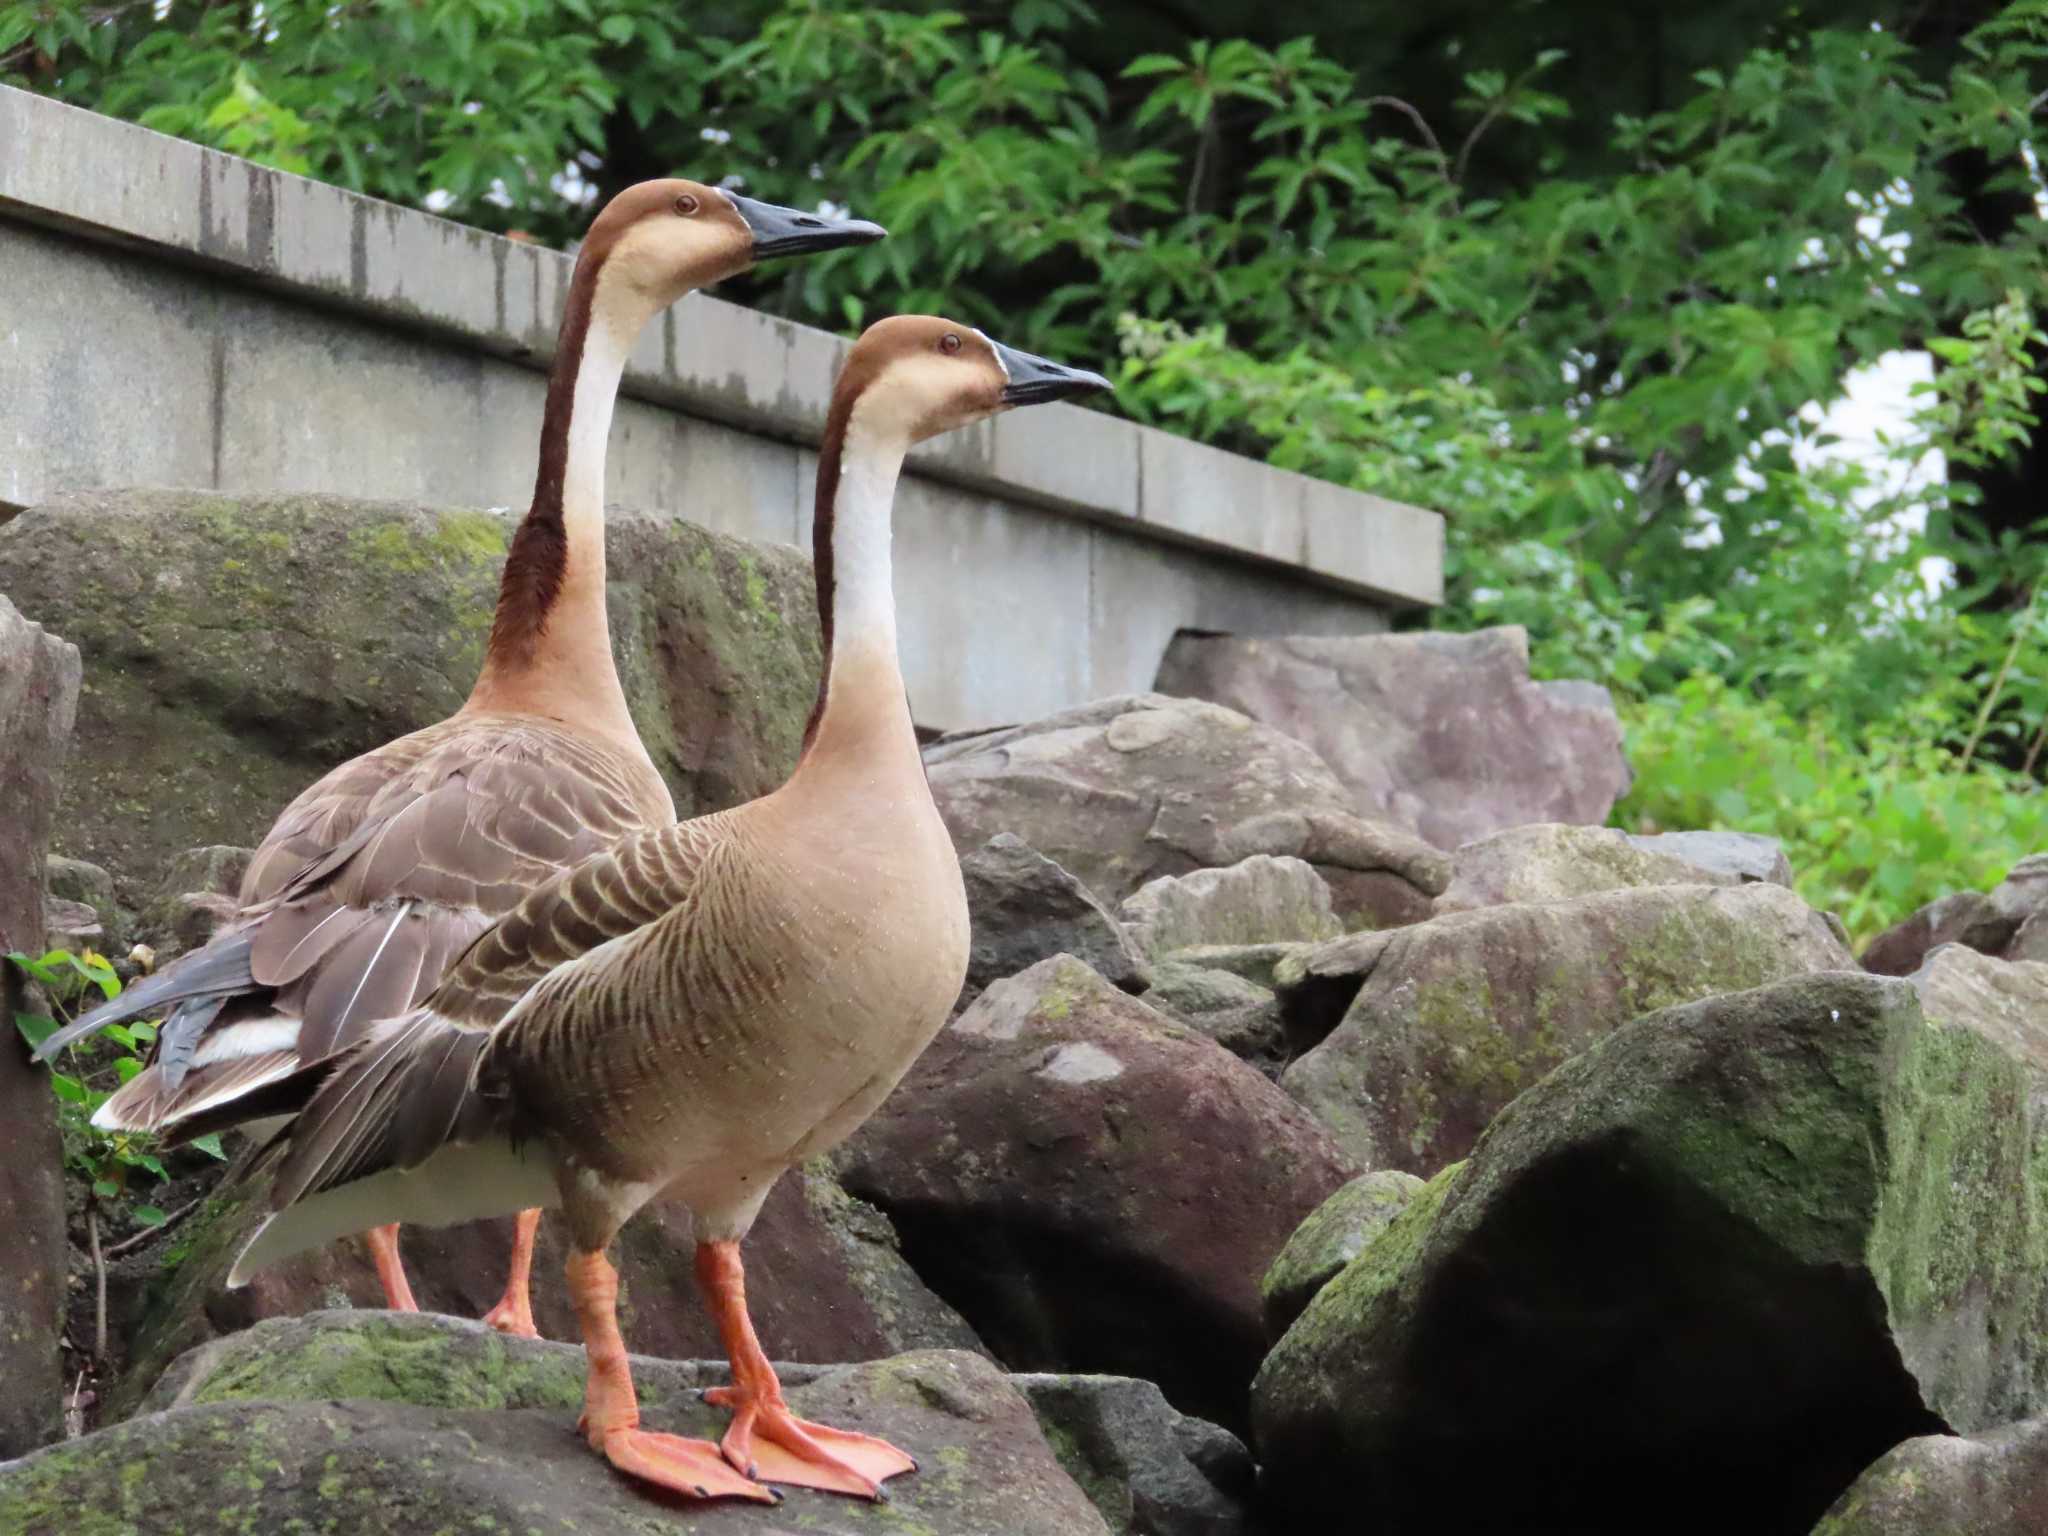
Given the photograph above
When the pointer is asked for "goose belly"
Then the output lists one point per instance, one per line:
(713, 1063)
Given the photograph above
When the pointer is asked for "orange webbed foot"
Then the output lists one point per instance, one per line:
(766, 1441)
(693, 1468)
(513, 1315)
(514, 1312)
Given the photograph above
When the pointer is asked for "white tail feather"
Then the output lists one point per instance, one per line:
(458, 1183)
(110, 1116)
(250, 1037)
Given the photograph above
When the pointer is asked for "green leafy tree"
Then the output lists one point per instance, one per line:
(1464, 259)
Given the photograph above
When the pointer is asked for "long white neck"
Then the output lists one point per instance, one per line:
(559, 662)
(605, 349)
(862, 707)
(864, 596)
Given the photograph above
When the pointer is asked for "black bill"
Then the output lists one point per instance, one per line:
(1035, 380)
(782, 231)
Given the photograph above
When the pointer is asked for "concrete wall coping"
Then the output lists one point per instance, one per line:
(74, 170)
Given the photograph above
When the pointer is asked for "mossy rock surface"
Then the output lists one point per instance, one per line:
(236, 648)
(826, 1282)
(346, 1423)
(1336, 1232)
(1712, 1267)
(1456, 1016)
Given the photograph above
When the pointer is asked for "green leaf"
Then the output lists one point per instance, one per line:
(148, 1215)
(210, 1145)
(1153, 64)
(35, 1028)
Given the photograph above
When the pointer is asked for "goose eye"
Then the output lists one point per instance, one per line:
(686, 204)
(949, 343)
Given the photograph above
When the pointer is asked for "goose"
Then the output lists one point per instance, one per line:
(374, 879)
(699, 1008)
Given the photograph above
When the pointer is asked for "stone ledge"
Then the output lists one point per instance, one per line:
(413, 271)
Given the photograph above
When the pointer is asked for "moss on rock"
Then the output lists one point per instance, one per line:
(1739, 1247)
(1334, 1234)
(337, 1424)
(1455, 1017)
(237, 647)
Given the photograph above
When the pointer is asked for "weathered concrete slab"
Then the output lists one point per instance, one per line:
(229, 228)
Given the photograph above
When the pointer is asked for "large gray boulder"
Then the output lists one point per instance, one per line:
(1024, 908)
(1443, 734)
(1239, 1015)
(1094, 1186)
(1127, 789)
(1259, 900)
(2010, 921)
(1994, 1484)
(1713, 1267)
(1458, 1015)
(1150, 1469)
(825, 1280)
(1742, 855)
(238, 647)
(368, 1424)
(39, 678)
(1555, 861)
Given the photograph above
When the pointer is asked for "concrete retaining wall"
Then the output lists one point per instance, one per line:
(174, 316)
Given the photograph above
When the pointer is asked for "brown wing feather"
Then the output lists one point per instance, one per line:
(376, 877)
(606, 896)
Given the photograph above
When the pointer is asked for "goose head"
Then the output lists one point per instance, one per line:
(667, 237)
(916, 376)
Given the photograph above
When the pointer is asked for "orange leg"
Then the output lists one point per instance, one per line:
(514, 1312)
(765, 1439)
(383, 1243)
(611, 1411)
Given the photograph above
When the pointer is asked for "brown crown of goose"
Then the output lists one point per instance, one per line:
(666, 236)
(919, 375)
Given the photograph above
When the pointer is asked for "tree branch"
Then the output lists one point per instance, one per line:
(1408, 110)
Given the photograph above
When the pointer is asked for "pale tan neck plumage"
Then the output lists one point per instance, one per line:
(865, 741)
(568, 674)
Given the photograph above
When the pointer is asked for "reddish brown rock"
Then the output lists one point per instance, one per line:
(1445, 735)
(38, 699)
(2009, 922)
(1095, 1187)
(1124, 790)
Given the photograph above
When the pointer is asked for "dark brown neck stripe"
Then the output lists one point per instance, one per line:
(539, 557)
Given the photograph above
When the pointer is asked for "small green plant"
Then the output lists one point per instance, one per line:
(89, 1074)
(1875, 827)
